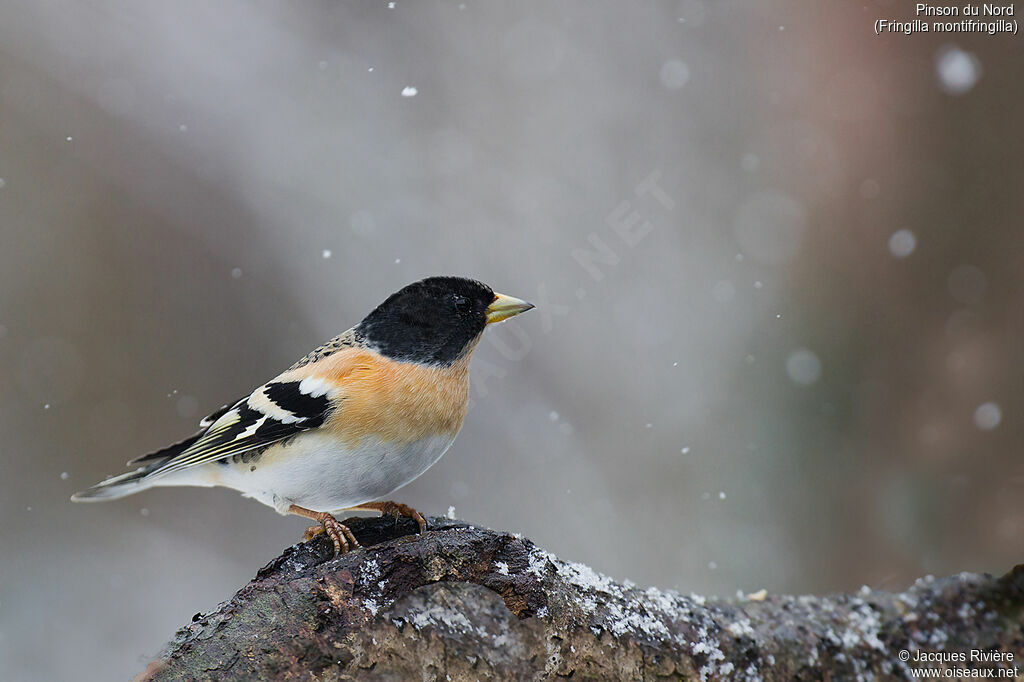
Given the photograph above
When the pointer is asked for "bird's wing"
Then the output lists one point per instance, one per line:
(276, 410)
(340, 343)
(177, 448)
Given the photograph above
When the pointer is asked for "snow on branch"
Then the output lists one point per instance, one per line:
(464, 602)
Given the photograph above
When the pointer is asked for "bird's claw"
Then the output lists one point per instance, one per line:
(340, 535)
(399, 510)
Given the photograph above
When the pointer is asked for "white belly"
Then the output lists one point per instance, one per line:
(317, 472)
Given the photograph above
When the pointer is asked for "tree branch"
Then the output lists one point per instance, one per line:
(471, 603)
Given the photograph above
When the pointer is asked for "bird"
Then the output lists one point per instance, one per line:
(351, 422)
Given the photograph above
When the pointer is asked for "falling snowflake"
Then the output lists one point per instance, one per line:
(674, 74)
(803, 367)
(902, 243)
(988, 416)
(958, 71)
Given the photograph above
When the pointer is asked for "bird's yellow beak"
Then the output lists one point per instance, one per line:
(504, 307)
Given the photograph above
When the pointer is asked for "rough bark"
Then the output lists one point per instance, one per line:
(467, 603)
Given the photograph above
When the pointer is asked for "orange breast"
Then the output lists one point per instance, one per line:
(395, 401)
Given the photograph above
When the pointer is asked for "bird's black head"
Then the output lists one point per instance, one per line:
(436, 320)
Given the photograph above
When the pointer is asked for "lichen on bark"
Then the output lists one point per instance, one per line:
(464, 602)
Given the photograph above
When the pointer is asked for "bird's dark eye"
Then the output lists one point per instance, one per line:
(461, 303)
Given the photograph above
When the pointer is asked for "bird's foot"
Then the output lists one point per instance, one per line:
(396, 509)
(340, 535)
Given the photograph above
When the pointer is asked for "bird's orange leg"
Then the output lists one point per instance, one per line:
(396, 509)
(338, 532)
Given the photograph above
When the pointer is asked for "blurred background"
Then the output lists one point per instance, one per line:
(776, 260)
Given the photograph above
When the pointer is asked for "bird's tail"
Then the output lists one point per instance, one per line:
(119, 486)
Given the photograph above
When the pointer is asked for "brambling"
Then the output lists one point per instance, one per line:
(351, 422)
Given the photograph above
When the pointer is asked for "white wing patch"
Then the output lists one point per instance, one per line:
(261, 403)
(251, 429)
(314, 386)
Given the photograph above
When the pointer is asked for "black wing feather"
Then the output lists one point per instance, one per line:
(243, 427)
(304, 407)
(182, 445)
(169, 451)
